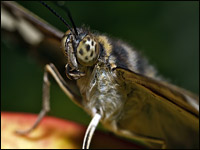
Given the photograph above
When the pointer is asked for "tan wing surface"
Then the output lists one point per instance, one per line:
(159, 110)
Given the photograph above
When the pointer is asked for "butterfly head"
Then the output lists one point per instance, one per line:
(81, 49)
(80, 46)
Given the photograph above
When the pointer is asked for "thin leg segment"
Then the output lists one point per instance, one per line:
(49, 69)
(90, 131)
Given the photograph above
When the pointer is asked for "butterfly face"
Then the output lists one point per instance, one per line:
(82, 50)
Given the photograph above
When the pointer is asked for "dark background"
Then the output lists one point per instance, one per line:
(166, 32)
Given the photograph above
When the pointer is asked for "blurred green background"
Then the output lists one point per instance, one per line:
(167, 33)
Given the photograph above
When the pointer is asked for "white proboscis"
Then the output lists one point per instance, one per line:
(90, 131)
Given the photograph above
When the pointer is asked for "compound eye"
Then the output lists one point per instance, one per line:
(64, 42)
(87, 51)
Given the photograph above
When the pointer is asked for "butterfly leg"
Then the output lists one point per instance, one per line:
(90, 131)
(49, 69)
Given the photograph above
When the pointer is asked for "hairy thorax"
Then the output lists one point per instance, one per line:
(102, 93)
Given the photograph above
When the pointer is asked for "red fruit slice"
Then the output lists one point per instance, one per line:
(52, 133)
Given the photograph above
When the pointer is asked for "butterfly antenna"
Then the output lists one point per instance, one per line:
(69, 15)
(57, 15)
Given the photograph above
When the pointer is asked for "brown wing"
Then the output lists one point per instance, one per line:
(34, 32)
(20, 12)
(159, 110)
(44, 39)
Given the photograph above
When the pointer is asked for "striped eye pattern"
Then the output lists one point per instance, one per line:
(87, 51)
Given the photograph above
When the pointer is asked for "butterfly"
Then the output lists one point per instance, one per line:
(125, 95)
